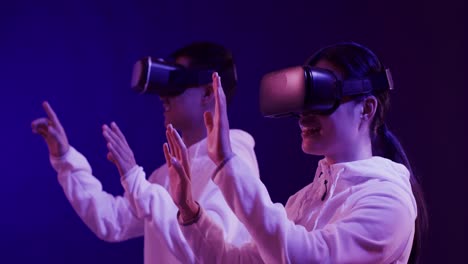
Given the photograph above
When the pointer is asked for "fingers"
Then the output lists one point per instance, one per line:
(116, 134)
(220, 112)
(121, 153)
(179, 145)
(42, 130)
(217, 124)
(175, 149)
(220, 97)
(216, 86)
(47, 126)
(42, 127)
(114, 156)
(110, 157)
(112, 142)
(111, 136)
(119, 133)
(51, 114)
(178, 140)
(179, 169)
(182, 149)
(216, 82)
(40, 123)
(167, 154)
(170, 141)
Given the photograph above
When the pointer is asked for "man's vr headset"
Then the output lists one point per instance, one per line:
(170, 79)
(291, 91)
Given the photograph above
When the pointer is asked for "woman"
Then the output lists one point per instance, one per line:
(364, 205)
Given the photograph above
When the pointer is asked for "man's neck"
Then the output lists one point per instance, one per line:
(192, 136)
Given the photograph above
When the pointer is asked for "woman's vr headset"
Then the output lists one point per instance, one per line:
(170, 79)
(291, 91)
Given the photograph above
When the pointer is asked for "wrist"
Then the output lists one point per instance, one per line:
(125, 175)
(60, 152)
(221, 164)
(226, 155)
(189, 214)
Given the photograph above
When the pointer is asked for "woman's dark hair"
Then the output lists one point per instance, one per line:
(211, 56)
(357, 61)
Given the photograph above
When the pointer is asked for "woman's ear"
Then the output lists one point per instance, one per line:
(369, 107)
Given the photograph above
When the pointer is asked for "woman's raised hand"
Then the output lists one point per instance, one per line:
(217, 125)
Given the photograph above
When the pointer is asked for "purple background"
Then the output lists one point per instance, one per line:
(78, 55)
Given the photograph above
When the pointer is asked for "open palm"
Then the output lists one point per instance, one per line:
(217, 126)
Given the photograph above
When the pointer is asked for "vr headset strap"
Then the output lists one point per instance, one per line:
(377, 82)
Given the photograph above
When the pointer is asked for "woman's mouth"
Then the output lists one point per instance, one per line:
(310, 125)
(307, 131)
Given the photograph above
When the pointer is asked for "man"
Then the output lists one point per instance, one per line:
(116, 218)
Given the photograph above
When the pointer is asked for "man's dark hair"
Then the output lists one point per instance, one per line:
(211, 56)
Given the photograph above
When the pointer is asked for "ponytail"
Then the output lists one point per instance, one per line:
(385, 144)
(356, 61)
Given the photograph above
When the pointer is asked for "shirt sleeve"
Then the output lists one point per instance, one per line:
(110, 217)
(372, 231)
(209, 236)
(212, 200)
(206, 238)
(153, 203)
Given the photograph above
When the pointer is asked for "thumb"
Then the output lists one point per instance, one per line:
(208, 117)
(110, 157)
(167, 154)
